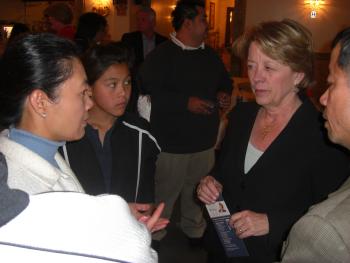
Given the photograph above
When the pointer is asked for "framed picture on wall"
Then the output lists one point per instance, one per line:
(211, 15)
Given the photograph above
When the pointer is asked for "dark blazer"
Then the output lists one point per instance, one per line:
(125, 142)
(134, 41)
(300, 168)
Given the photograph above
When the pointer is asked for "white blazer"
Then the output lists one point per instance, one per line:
(31, 173)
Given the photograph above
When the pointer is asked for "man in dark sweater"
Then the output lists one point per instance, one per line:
(187, 83)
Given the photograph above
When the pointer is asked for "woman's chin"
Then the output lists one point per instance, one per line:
(262, 101)
(78, 135)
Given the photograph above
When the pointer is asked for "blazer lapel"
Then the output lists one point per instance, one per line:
(288, 131)
(244, 139)
(140, 46)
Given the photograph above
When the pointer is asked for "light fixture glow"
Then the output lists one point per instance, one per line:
(313, 14)
(101, 7)
(315, 6)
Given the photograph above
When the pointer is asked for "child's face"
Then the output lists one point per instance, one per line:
(111, 92)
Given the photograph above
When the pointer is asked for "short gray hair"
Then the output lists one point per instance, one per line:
(148, 10)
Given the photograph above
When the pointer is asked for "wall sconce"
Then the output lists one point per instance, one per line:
(315, 6)
(101, 7)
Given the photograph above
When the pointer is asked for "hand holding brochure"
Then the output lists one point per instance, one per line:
(220, 215)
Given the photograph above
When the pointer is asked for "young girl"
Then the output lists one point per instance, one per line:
(117, 153)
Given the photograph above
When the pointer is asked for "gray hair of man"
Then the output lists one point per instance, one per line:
(148, 10)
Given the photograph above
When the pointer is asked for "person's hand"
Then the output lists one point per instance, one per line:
(248, 223)
(224, 100)
(139, 210)
(208, 190)
(155, 222)
(200, 106)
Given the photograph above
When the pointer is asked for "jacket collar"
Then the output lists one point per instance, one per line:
(177, 42)
(33, 163)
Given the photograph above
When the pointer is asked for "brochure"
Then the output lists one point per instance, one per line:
(220, 215)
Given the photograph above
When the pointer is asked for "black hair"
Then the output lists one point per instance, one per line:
(185, 9)
(34, 61)
(99, 58)
(89, 25)
(343, 39)
(339, 36)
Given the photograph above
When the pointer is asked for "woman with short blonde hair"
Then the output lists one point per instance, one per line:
(275, 160)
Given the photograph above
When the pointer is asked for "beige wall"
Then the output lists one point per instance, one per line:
(332, 18)
(221, 21)
(163, 9)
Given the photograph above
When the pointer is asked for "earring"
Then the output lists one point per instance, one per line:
(43, 115)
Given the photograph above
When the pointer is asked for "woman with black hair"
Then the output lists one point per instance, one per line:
(44, 103)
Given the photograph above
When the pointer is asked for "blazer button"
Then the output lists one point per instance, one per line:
(243, 186)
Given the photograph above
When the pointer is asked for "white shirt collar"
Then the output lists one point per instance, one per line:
(177, 42)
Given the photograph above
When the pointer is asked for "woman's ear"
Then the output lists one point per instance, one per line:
(298, 77)
(39, 101)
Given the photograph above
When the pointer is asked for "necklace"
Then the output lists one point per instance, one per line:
(266, 130)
